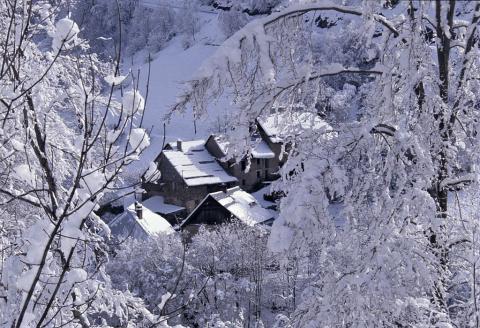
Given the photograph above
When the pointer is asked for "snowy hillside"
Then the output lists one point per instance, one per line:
(171, 67)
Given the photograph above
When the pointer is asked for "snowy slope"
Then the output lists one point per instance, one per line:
(169, 68)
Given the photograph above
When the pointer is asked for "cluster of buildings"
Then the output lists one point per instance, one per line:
(199, 185)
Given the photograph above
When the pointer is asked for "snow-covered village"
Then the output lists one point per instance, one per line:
(239, 163)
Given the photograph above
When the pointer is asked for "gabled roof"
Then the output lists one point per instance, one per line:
(128, 224)
(195, 164)
(260, 150)
(240, 204)
(279, 125)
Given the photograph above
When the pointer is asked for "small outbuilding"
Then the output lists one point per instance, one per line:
(226, 206)
(140, 223)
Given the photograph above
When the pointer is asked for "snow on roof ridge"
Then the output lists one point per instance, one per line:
(240, 204)
(260, 149)
(187, 146)
(151, 223)
(229, 190)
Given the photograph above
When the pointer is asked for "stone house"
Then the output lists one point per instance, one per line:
(188, 172)
(278, 129)
(271, 137)
(267, 156)
(233, 204)
(263, 164)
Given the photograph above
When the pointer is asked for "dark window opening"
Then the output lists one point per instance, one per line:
(244, 164)
(258, 174)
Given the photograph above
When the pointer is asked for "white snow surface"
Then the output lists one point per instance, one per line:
(287, 123)
(170, 68)
(243, 206)
(260, 148)
(23, 173)
(259, 196)
(115, 80)
(65, 34)
(152, 174)
(133, 102)
(157, 204)
(188, 146)
(196, 165)
(139, 139)
(128, 224)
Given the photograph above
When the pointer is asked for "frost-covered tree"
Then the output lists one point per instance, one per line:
(143, 27)
(64, 142)
(232, 20)
(390, 253)
(224, 275)
(234, 258)
(154, 270)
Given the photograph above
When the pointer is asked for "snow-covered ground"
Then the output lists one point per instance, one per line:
(260, 199)
(178, 4)
(169, 68)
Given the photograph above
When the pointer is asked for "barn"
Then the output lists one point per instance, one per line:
(226, 206)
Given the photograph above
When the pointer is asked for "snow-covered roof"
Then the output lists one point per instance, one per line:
(188, 145)
(279, 125)
(196, 165)
(260, 150)
(241, 205)
(157, 204)
(222, 143)
(128, 224)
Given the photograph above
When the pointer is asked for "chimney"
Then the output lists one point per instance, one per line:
(224, 188)
(139, 210)
(179, 145)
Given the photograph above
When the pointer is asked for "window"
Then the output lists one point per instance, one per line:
(258, 174)
(266, 174)
(244, 164)
(267, 163)
(258, 161)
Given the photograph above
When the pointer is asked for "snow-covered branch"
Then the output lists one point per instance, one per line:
(327, 6)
